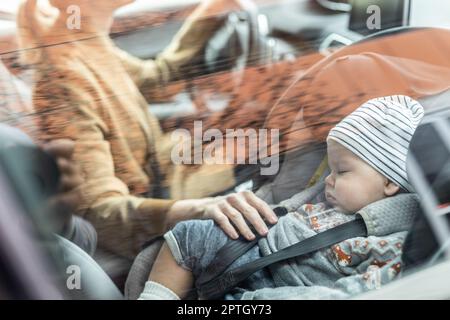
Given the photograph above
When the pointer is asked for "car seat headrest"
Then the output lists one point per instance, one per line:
(428, 168)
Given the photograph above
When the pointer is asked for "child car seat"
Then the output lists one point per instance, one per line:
(426, 249)
(327, 92)
(305, 161)
(429, 172)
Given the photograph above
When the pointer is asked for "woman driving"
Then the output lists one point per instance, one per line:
(89, 91)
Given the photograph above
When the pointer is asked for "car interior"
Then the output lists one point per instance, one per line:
(251, 74)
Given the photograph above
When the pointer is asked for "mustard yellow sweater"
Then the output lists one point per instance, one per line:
(91, 92)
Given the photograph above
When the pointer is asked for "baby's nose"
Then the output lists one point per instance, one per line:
(329, 180)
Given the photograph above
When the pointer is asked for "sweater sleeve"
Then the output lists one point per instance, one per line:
(69, 112)
(152, 75)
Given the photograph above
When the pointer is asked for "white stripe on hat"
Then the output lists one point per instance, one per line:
(379, 132)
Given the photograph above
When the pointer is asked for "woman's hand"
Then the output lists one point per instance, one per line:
(233, 213)
(37, 18)
(46, 24)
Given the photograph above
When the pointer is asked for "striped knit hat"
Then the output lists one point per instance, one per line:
(379, 132)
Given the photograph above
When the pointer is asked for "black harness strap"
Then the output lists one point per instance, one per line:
(231, 251)
(216, 285)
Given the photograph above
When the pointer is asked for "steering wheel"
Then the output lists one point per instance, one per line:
(236, 42)
(240, 42)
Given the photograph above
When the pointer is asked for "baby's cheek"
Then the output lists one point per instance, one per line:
(351, 195)
(346, 187)
(361, 197)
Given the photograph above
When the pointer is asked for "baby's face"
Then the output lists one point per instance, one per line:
(352, 184)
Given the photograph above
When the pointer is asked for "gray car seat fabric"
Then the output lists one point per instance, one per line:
(441, 100)
(95, 283)
(296, 170)
(379, 218)
(140, 270)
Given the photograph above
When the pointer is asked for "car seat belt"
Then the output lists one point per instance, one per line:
(232, 250)
(216, 283)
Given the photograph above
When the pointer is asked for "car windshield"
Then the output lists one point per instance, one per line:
(130, 128)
